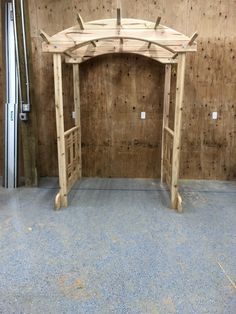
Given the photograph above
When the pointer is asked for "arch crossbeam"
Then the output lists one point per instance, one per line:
(97, 39)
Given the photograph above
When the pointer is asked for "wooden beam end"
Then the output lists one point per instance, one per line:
(45, 36)
(93, 43)
(80, 21)
(157, 22)
(57, 202)
(175, 56)
(193, 38)
(118, 12)
(179, 204)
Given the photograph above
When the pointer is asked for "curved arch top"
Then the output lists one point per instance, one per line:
(120, 35)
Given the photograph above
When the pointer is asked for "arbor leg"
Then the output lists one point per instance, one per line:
(175, 197)
(166, 107)
(61, 198)
(76, 81)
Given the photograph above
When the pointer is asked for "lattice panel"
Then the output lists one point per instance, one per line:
(72, 138)
(168, 152)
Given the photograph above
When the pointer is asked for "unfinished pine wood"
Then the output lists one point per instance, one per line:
(76, 84)
(60, 201)
(74, 38)
(72, 152)
(80, 21)
(175, 199)
(166, 106)
(121, 46)
(167, 157)
(45, 36)
(70, 41)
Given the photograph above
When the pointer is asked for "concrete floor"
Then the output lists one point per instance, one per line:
(118, 249)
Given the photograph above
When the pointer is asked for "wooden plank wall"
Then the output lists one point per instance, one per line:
(208, 147)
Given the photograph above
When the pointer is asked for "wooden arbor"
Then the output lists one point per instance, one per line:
(87, 40)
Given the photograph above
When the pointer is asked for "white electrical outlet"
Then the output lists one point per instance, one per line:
(143, 115)
(73, 115)
(215, 115)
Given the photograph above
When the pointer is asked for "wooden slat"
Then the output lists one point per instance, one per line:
(72, 153)
(167, 159)
(158, 59)
(171, 132)
(68, 132)
(58, 47)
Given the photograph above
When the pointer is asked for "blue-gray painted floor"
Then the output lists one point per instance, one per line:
(118, 249)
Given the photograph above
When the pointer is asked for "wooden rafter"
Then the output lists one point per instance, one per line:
(45, 36)
(118, 19)
(192, 39)
(80, 21)
(175, 56)
(158, 21)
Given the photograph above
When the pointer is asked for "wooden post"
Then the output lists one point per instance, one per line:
(61, 198)
(76, 81)
(166, 108)
(175, 197)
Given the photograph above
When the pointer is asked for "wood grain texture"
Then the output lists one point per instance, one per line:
(115, 141)
(27, 130)
(208, 147)
(110, 30)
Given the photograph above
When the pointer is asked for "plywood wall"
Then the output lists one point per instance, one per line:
(208, 147)
(115, 141)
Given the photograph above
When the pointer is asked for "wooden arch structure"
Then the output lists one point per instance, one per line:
(87, 40)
